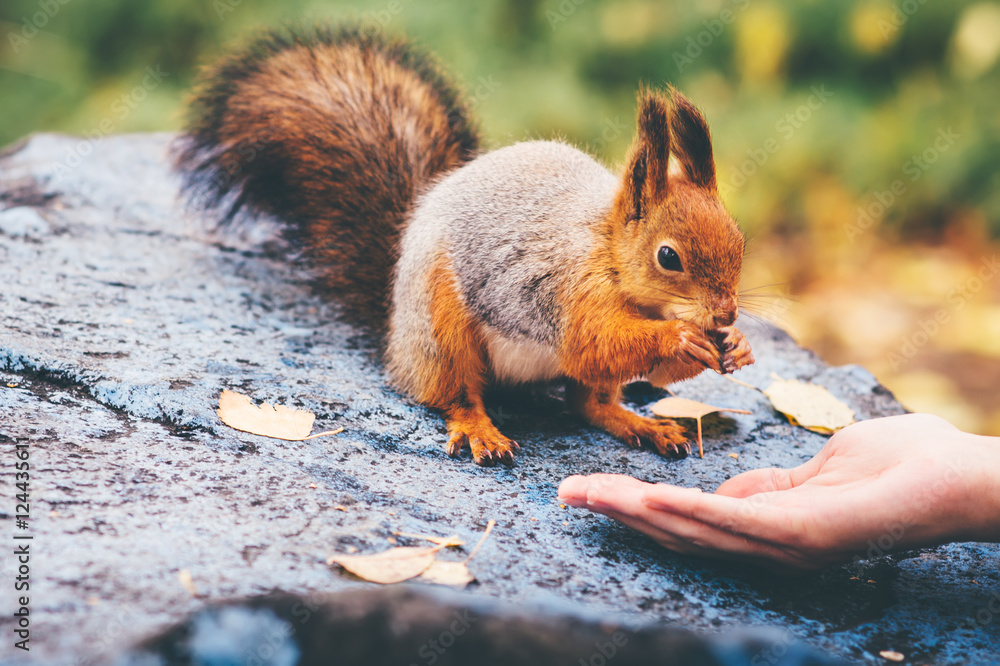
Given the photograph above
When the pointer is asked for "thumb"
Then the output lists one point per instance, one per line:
(757, 481)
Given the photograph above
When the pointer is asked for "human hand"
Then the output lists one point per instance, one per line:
(884, 484)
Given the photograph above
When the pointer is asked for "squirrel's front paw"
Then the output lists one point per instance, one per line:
(487, 444)
(697, 346)
(734, 347)
(664, 435)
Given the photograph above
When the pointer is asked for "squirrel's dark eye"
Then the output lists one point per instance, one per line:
(668, 259)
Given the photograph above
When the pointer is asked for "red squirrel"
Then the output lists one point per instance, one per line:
(528, 263)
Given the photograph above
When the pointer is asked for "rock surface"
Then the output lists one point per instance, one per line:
(123, 318)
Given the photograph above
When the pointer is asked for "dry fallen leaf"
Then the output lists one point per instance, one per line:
(390, 566)
(734, 456)
(238, 411)
(456, 574)
(810, 406)
(891, 655)
(682, 408)
(482, 539)
(399, 564)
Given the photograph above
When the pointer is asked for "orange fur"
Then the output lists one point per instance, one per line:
(455, 384)
(625, 317)
(335, 132)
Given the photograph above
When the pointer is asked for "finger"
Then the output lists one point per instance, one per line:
(771, 479)
(628, 501)
(765, 480)
(779, 518)
(573, 490)
(692, 537)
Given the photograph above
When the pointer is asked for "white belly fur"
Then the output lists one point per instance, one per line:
(516, 361)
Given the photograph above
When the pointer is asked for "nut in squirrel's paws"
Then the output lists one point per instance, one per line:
(664, 435)
(733, 347)
(487, 444)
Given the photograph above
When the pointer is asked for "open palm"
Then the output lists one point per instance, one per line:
(876, 486)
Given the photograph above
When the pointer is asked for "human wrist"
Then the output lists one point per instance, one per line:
(981, 458)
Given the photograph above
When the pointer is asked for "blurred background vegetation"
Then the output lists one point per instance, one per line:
(857, 141)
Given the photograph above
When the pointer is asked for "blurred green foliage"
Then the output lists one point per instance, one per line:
(817, 108)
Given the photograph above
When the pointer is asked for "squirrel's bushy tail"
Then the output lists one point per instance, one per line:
(334, 132)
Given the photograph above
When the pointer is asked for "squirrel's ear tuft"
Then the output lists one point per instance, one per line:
(692, 142)
(649, 158)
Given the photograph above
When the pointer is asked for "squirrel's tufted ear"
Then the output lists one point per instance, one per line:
(646, 171)
(692, 142)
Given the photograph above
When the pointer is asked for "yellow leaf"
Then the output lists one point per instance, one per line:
(810, 406)
(455, 574)
(390, 566)
(482, 539)
(891, 655)
(682, 408)
(238, 411)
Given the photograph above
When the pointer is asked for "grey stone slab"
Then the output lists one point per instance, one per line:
(123, 317)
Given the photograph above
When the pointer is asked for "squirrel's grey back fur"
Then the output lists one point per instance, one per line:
(526, 208)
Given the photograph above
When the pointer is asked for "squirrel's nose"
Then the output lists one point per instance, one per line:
(725, 318)
(724, 311)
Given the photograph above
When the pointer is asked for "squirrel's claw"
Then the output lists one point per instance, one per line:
(734, 347)
(489, 453)
(665, 436)
(487, 444)
(456, 444)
